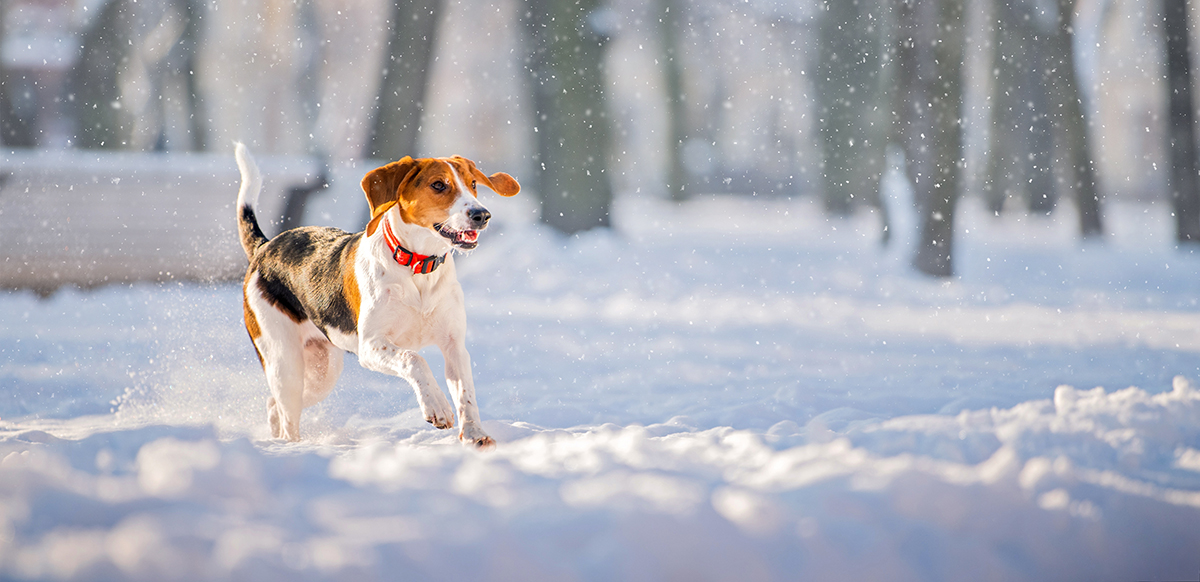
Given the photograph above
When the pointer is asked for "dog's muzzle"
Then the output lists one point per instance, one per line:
(463, 239)
(478, 217)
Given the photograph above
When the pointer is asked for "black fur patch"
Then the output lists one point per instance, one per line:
(249, 233)
(301, 274)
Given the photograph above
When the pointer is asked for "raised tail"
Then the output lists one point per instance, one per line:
(251, 235)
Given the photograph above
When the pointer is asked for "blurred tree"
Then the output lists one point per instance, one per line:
(18, 114)
(1036, 106)
(670, 22)
(412, 30)
(1185, 189)
(849, 100)
(177, 70)
(1071, 124)
(1019, 154)
(104, 121)
(149, 49)
(929, 55)
(566, 44)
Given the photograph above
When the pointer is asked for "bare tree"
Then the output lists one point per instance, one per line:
(17, 113)
(670, 21)
(572, 129)
(1021, 139)
(849, 95)
(413, 28)
(104, 121)
(929, 55)
(1185, 190)
(1072, 125)
(178, 69)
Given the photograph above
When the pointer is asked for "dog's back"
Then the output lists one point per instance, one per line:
(301, 271)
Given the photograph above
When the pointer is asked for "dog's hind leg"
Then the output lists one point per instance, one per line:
(285, 377)
(280, 343)
(323, 363)
(273, 418)
(284, 364)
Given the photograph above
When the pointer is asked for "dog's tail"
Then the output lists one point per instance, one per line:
(251, 235)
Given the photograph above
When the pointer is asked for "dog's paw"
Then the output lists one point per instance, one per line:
(439, 413)
(474, 437)
(440, 421)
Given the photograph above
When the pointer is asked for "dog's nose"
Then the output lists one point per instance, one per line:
(479, 217)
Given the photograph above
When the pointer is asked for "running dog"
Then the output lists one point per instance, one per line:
(313, 293)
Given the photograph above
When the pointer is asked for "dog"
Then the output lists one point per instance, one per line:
(313, 293)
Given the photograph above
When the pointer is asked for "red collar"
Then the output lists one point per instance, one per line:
(420, 264)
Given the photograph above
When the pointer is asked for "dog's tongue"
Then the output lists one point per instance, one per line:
(470, 236)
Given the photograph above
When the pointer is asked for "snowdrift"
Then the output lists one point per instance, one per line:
(735, 389)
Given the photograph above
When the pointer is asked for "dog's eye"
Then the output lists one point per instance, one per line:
(472, 184)
(438, 186)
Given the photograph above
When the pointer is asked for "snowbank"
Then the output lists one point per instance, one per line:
(1092, 485)
(730, 390)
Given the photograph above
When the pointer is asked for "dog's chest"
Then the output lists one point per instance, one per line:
(416, 311)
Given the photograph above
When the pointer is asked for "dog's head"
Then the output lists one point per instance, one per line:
(435, 193)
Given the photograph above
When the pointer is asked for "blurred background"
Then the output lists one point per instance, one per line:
(118, 117)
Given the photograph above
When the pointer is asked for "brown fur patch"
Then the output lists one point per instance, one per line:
(421, 202)
(251, 324)
(350, 280)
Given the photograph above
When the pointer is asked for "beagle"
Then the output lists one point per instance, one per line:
(313, 293)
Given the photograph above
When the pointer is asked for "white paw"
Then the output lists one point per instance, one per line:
(474, 437)
(437, 410)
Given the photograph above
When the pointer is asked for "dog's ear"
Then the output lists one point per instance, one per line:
(500, 183)
(378, 216)
(382, 187)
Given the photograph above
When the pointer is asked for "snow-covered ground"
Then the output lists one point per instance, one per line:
(732, 389)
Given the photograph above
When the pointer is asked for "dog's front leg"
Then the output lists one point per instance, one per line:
(462, 386)
(380, 355)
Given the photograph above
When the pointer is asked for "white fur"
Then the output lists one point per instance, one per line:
(401, 312)
(464, 203)
(251, 177)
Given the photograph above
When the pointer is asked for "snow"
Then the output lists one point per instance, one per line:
(737, 388)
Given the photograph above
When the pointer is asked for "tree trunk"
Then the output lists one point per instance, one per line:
(1021, 139)
(104, 121)
(849, 93)
(186, 54)
(18, 115)
(1005, 165)
(1072, 125)
(1041, 194)
(571, 125)
(929, 55)
(1185, 194)
(406, 75)
(671, 19)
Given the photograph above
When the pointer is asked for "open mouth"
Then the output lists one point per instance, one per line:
(463, 239)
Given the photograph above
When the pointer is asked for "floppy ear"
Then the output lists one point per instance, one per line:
(382, 187)
(500, 183)
(377, 215)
